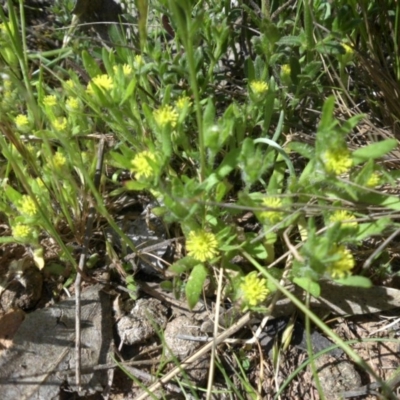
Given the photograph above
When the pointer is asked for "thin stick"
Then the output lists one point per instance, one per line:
(203, 350)
(81, 266)
(214, 344)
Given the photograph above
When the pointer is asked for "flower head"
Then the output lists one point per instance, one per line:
(337, 161)
(285, 69)
(254, 289)
(202, 245)
(22, 122)
(50, 100)
(273, 216)
(126, 69)
(21, 232)
(346, 219)
(103, 82)
(138, 61)
(373, 180)
(343, 265)
(182, 102)
(285, 74)
(259, 87)
(60, 124)
(141, 165)
(59, 160)
(72, 104)
(348, 50)
(27, 206)
(166, 115)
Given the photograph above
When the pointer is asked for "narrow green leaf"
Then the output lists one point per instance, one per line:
(374, 150)
(194, 284)
(358, 281)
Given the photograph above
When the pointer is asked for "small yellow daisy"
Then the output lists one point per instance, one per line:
(254, 289)
(166, 115)
(273, 216)
(202, 245)
(141, 166)
(50, 100)
(346, 219)
(21, 232)
(27, 206)
(337, 161)
(103, 82)
(342, 267)
(259, 87)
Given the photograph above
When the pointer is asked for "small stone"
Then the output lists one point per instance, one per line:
(181, 348)
(142, 322)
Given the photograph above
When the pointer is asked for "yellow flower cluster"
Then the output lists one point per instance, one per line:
(202, 245)
(103, 82)
(60, 124)
(374, 180)
(273, 216)
(165, 116)
(126, 69)
(22, 122)
(337, 161)
(346, 219)
(27, 206)
(21, 232)
(342, 267)
(254, 289)
(72, 104)
(50, 100)
(259, 87)
(59, 160)
(141, 166)
(182, 102)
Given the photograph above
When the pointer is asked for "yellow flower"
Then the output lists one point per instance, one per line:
(259, 87)
(182, 102)
(254, 289)
(138, 61)
(343, 265)
(72, 104)
(50, 100)
(374, 180)
(341, 216)
(69, 84)
(21, 232)
(126, 69)
(273, 216)
(59, 160)
(285, 69)
(27, 206)
(60, 124)
(103, 82)
(337, 161)
(285, 74)
(141, 166)
(22, 123)
(202, 245)
(348, 50)
(166, 115)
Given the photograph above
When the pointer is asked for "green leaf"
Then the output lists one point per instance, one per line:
(90, 65)
(374, 150)
(183, 265)
(368, 229)
(194, 285)
(308, 285)
(290, 41)
(358, 281)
